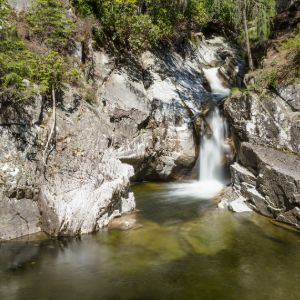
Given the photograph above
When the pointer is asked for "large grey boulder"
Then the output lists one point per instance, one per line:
(268, 167)
(19, 213)
(85, 185)
(270, 180)
(82, 187)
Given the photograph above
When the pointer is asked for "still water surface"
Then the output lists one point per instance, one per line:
(184, 248)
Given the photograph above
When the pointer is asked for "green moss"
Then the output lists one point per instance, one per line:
(235, 91)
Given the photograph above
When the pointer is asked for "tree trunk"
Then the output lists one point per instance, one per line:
(250, 60)
(52, 127)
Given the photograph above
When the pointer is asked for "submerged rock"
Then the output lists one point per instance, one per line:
(125, 222)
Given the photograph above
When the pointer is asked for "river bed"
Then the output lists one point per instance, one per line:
(182, 247)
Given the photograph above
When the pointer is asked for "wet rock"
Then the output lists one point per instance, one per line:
(125, 222)
(239, 205)
(155, 125)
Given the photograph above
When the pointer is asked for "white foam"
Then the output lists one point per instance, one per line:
(196, 189)
(215, 82)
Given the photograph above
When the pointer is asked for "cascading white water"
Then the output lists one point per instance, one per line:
(211, 177)
(219, 91)
(211, 149)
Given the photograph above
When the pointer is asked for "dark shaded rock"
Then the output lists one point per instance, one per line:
(288, 16)
(273, 186)
(287, 5)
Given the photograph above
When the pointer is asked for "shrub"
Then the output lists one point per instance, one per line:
(292, 45)
(50, 24)
(137, 25)
(23, 72)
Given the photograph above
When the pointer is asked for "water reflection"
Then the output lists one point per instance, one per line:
(181, 251)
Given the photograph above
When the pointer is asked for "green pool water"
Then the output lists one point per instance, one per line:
(181, 248)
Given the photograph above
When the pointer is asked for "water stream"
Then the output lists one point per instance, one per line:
(181, 248)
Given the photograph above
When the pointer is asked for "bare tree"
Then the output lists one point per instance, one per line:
(243, 6)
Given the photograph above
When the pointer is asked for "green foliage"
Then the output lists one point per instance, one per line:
(23, 72)
(84, 7)
(15, 60)
(50, 24)
(292, 45)
(197, 12)
(259, 15)
(235, 90)
(224, 11)
(139, 24)
(136, 25)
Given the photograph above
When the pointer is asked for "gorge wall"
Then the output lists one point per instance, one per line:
(143, 124)
(266, 130)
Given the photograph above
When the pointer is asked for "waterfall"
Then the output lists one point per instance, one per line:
(211, 155)
(218, 90)
(212, 145)
(212, 149)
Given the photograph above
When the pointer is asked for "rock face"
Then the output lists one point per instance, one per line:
(153, 106)
(271, 182)
(83, 185)
(266, 133)
(287, 5)
(141, 125)
(288, 15)
(271, 120)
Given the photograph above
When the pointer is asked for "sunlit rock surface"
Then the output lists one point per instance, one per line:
(266, 131)
(141, 125)
(268, 170)
(153, 103)
(271, 120)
